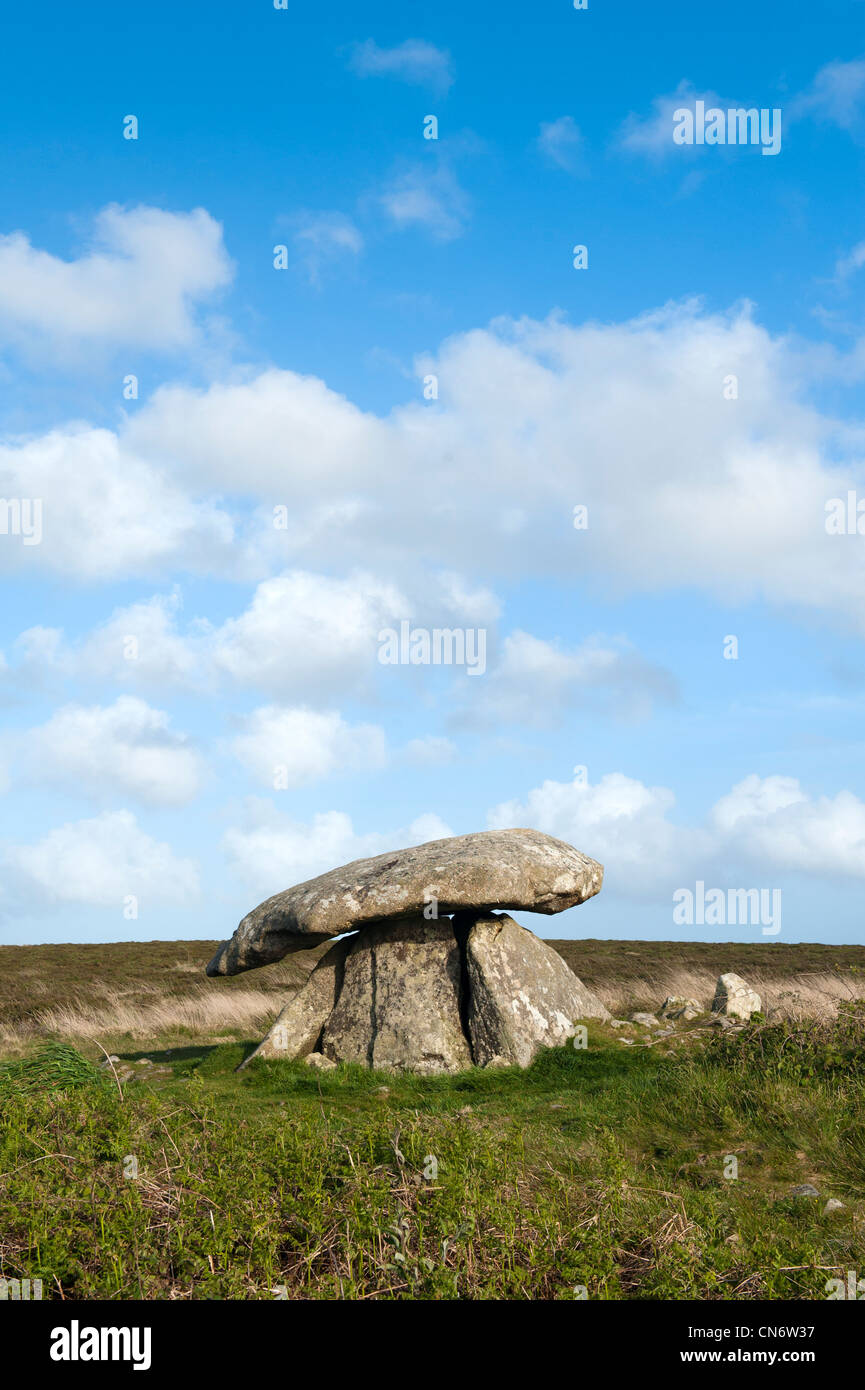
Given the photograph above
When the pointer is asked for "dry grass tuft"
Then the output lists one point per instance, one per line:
(808, 995)
(201, 1013)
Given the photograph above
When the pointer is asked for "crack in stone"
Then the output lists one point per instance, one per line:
(461, 934)
(372, 1008)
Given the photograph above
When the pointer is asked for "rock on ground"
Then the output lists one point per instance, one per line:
(734, 998)
(297, 1028)
(518, 869)
(400, 1003)
(522, 995)
(677, 1006)
(319, 1062)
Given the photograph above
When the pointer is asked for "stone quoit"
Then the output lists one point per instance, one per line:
(434, 976)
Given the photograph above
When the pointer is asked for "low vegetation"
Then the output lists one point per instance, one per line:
(663, 1169)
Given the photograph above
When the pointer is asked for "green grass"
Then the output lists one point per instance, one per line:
(56, 1066)
(601, 1169)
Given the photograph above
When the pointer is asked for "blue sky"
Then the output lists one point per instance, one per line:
(169, 652)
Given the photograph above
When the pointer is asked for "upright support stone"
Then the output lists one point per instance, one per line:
(297, 1029)
(399, 1007)
(522, 995)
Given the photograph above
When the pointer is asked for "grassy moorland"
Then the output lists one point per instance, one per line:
(156, 990)
(170, 1175)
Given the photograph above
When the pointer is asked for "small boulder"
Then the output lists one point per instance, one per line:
(734, 998)
(833, 1204)
(319, 1062)
(676, 1006)
(645, 1020)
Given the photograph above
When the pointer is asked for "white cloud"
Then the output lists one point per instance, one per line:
(453, 592)
(307, 632)
(536, 681)
(291, 747)
(762, 826)
(560, 141)
(428, 198)
(302, 635)
(836, 95)
(414, 61)
(96, 863)
(287, 438)
(140, 645)
(430, 751)
(323, 238)
(271, 852)
(139, 286)
(775, 822)
(849, 264)
(652, 136)
(126, 748)
(685, 488)
(103, 511)
(619, 822)
(754, 800)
